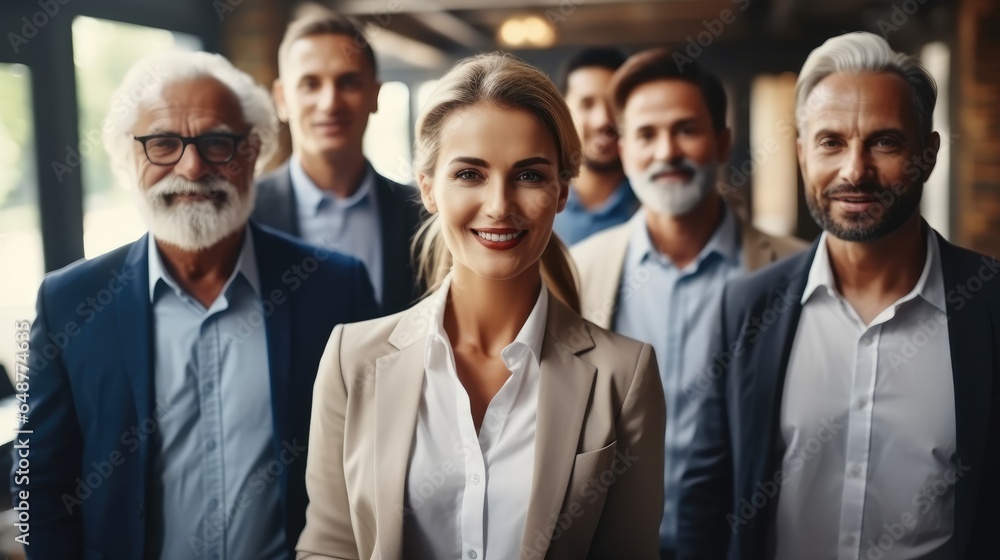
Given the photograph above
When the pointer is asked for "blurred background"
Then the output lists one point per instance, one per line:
(61, 59)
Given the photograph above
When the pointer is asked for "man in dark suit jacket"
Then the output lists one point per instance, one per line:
(328, 193)
(171, 379)
(855, 410)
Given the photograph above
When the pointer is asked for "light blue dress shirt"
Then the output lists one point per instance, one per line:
(676, 311)
(346, 225)
(576, 222)
(212, 494)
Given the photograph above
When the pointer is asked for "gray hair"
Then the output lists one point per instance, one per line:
(866, 52)
(145, 82)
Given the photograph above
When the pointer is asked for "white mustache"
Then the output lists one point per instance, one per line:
(171, 185)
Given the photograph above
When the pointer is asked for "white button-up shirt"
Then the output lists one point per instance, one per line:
(868, 425)
(467, 494)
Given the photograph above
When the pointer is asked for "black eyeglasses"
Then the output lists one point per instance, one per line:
(167, 149)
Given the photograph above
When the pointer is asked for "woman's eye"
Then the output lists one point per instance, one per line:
(530, 175)
(467, 175)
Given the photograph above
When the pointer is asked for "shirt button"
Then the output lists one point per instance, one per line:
(209, 386)
(868, 340)
(211, 445)
(862, 402)
(475, 480)
(473, 555)
(855, 471)
(213, 503)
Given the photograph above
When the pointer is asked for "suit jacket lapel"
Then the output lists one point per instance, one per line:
(277, 328)
(282, 207)
(395, 247)
(135, 326)
(765, 386)
(607, 286)
(399, 380)
(135, 322)
(970, 331)
(564, 391)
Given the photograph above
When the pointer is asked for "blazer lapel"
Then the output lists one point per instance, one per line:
(136, 326)
(564, 391)
(277, 328)
(399, 380)
(396, 279)
(606, 287)
(970, 330)
(762, 392)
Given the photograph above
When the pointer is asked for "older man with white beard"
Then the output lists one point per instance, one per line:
(658, 277)
(171, 378)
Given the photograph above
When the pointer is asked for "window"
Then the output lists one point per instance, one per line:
(387, 138)
(20, 234)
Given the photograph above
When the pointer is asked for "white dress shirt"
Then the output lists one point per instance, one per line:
(868, 425)
(467, 494)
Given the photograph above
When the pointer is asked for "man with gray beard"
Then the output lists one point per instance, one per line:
(168, 410)
(856, 412)
(658, 277)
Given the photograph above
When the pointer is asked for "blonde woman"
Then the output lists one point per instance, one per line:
(489, 421)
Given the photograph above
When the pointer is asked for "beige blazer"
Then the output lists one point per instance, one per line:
(600, 260)
(597, 485)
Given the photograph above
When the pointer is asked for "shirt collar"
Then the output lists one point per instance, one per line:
(531, 335)
(309, 197)
(246, 265)
(725, 241)
(620, 198)
(930, 285)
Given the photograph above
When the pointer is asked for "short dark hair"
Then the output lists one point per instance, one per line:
(320, 21)
(600, 57)
(659, 64)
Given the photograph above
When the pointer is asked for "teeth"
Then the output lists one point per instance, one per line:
(497, 236)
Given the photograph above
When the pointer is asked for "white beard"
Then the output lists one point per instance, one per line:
(674, 199)
(193, 226)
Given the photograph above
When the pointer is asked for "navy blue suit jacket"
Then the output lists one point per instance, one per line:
(91, 389)
(400, 215)
(735, 452)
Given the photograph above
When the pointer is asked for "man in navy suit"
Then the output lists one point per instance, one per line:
(855, 410)
(171, 379)
(328, 193)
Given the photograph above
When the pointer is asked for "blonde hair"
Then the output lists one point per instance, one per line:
(505, 81)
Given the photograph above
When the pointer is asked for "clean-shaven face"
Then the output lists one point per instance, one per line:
(326, 92)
